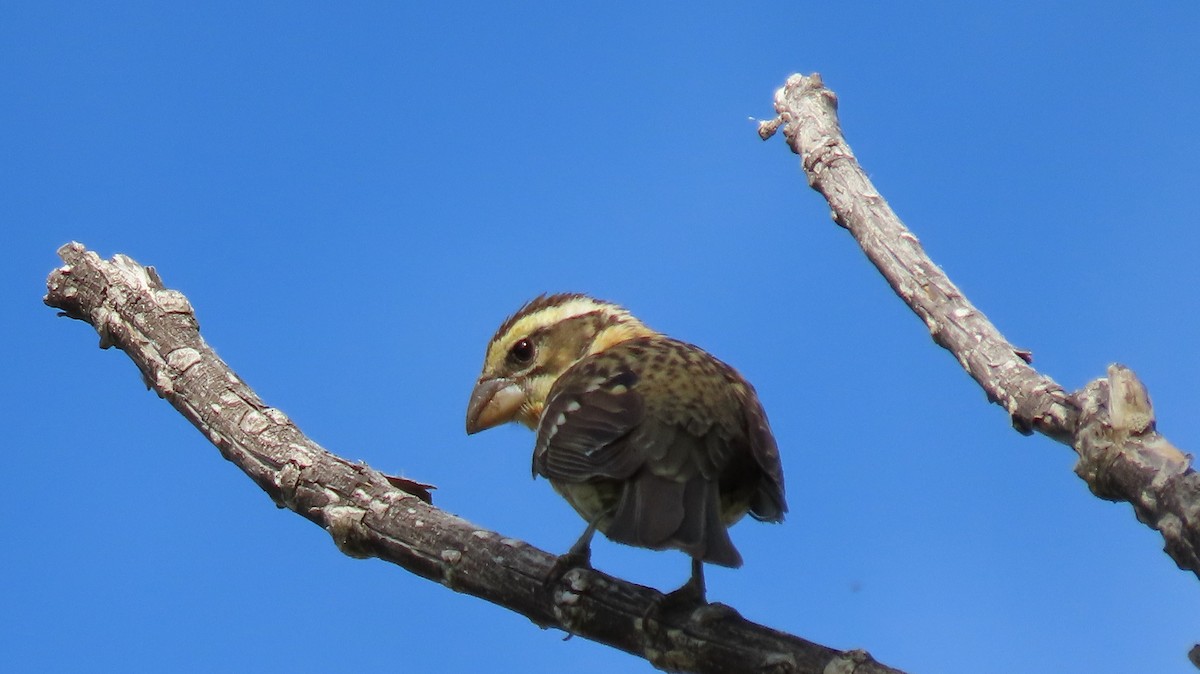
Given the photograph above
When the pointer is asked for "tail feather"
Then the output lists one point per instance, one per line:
(658, 513)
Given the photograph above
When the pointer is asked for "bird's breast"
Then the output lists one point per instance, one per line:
(595, 500)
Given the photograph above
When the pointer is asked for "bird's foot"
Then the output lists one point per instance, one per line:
(689, 597)
(578, 557)
(681, 602)
(574, 558)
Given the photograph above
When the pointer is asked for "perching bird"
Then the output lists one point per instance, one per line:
(653, 441)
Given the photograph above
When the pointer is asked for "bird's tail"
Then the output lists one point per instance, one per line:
(660, 513)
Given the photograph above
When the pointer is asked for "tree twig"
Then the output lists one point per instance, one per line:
(1110, 422)
(372, 515)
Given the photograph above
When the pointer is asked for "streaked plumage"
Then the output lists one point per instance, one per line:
(652, 440)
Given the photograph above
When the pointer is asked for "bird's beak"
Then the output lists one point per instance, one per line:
(493, 402)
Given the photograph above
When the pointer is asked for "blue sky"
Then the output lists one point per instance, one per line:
(354, 197)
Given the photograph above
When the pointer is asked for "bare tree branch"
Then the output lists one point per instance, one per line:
(1109, 423)
(372, 515)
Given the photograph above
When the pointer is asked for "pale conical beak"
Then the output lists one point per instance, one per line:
(493, 402)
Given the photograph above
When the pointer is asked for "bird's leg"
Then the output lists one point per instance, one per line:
(581, 551)
(690, 596)
(579, 556)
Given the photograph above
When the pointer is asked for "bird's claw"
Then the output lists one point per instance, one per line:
(676, 603)
(573, 559)
(688, 598)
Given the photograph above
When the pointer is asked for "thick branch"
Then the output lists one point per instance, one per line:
(372, 515)
(1109, 423)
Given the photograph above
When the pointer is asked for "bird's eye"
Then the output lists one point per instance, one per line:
(522, 351)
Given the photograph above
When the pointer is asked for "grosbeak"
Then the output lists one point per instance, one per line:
(653, 441)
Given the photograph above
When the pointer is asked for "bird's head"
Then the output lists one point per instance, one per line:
(535, 346)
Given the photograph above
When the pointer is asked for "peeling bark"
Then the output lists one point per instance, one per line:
(369, 514)
(1109, 423)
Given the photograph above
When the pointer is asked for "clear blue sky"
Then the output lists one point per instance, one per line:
(353, 198)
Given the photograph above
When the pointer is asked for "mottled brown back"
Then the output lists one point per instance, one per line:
(669, 444)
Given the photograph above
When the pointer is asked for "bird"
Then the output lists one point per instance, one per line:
(653, 441)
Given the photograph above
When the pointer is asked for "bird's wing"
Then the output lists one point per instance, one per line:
(583, 431)
(720, 423)
(659, 416)
(768, 503)
(650, 402)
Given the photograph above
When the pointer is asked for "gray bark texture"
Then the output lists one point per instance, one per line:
(369, 514)
(1109, 423)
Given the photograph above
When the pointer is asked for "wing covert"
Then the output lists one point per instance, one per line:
(584, 431)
